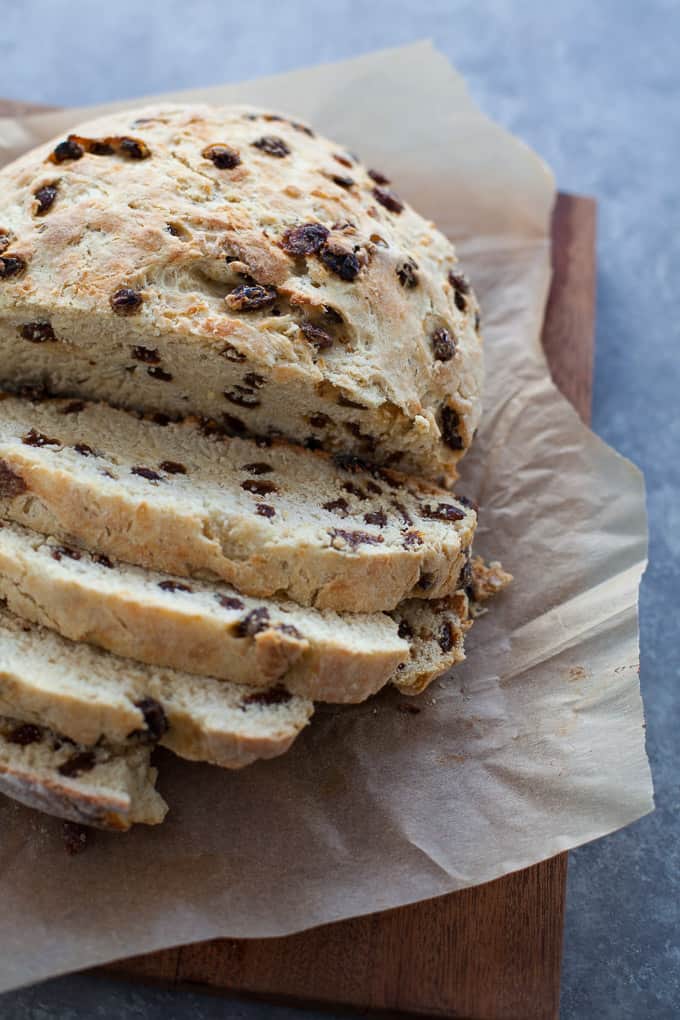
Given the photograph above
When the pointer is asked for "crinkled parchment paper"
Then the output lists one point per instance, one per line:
(535, 745)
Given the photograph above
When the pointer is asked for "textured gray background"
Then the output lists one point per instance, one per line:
(594, 86)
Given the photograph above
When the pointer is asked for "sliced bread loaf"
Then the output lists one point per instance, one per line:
(89, 695)
(274, 520)
(108, 786)
(235, 264)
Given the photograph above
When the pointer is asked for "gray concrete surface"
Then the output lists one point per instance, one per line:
(594, 87)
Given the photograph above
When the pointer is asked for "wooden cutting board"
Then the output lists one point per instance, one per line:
(488, 953)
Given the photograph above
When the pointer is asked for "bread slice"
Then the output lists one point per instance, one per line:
(197, 626)
(108, 786)
(274, 520)
(234, 264)
(435, 631)
(210, 629)
(89, 695)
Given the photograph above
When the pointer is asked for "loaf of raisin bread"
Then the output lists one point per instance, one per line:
(107, 786)
(90, 695)
(270, 520)
(234, 264)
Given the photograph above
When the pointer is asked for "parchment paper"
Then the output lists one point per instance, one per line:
(535, 745)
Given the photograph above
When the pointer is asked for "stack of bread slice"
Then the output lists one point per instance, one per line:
(237, 375)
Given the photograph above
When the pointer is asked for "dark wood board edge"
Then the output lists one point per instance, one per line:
(489, 952)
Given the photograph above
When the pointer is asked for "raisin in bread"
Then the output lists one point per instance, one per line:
(269, 520)
(89, 695)
(106, 786)
(235, 264)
